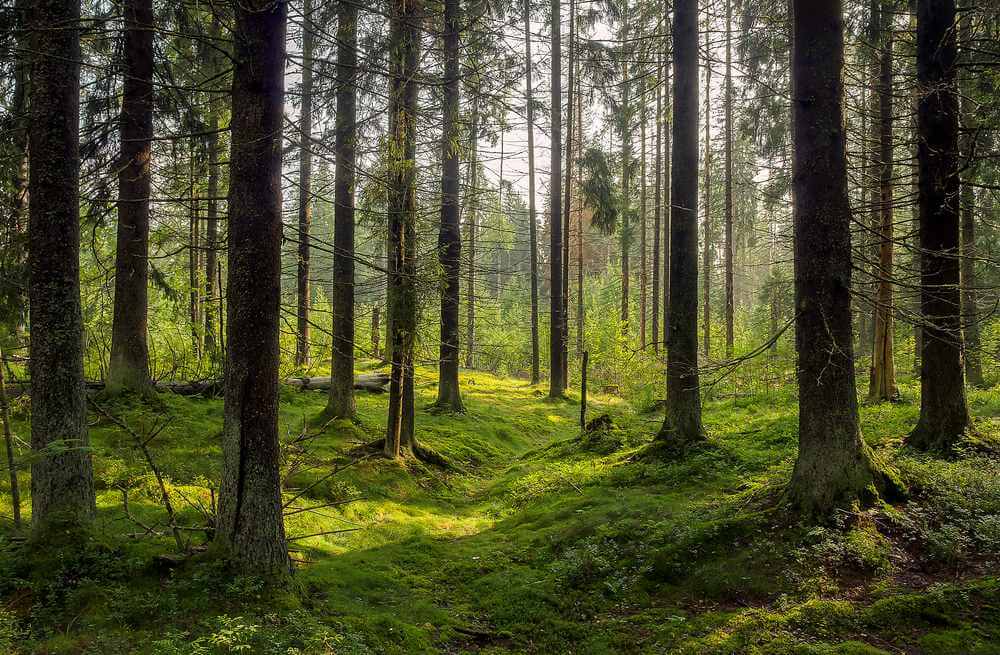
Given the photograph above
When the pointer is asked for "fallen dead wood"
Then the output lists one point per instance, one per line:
(371, 382)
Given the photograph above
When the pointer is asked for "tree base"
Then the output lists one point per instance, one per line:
(818, 489)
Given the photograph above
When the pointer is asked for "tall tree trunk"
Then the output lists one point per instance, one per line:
(340, 400)
(730, 304)
(557, 379)
(532, 217)
(834, 467)
(62, 474)
(450, 235)
(657, 206)
(213, 294)
(472, 226)
(305, 189)
(194, 248)
(883, 371)
(16, 229)
(404, 54)
(944, 412)
(251, 529)
(626, 236)
(129, 366)
(706, 244)
(682, 425)
(643, 271)
(567, 190)
(580, 220)
(970, 312)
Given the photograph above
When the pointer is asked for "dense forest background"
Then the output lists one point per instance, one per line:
(679, 320)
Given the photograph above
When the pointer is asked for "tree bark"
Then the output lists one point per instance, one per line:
(657, 205)
(213, 292)
(251, 529)
(404, 55)
(14, 272)
(305, 190)
(129, 366)
(643, 263)
(532, 216)
(557, 379)
(62, 474)
(682, 425)
(449, 235)
(706, 244)
(567, 190)
(944, 412)
(626, 240)
(471, 226)
(882, 384)
(730, 301)
(834, 467)
(340, 402)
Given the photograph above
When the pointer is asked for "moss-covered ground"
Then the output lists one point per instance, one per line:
(536, 539)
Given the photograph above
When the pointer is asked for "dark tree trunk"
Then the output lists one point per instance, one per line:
(730, 304)
(557, 368)
(194, 248)
(580, 220)
(450, 236)
(706, 244)
(682, 425)
(472, 226)
(882, 385)
(404, 55)
(213, 291)
(305, 189)
(532, 217)
(129, 367)
(567, 191)
(62, 474)
(251, 530)
(834, 467)
(340, 402)
(14, 265)
(944, 413)
(643, 262)
(626, 239)
(657, 204)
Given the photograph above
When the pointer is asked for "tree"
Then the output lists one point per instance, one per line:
(449, 236)
(305, 188)
(682, 425)
(404, 55)
(532, 217)
(213, 272)
(557, 369)
(834, 466)
(340, 401)
(62, 474)
(706, 243)
(883, 371)
(250, 528)
(728, 246)
(944, 412)
(129, 367)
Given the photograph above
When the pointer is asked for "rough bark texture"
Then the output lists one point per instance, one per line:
(882, 384)
(682, 425)
(251, 529)
(62, 476)
(129, 367)
(403, 59)
(305, 189)
(834, 467)
(557, 379)
(532, 216)
(449, 234)
(340, 402)
(944, 413)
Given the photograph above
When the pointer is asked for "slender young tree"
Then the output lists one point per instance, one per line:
(532, 217)
(62, 474)
(626, 134)
(834, 466)
(557, 369)
(944, 412)
(472, 227)
(213, 292)
(404, 56)
(251, 529)
(706, 243)
(882, 385)
(728, 246)
(305, 189)
(567, 189)
(449, 235)
(657, 206)
(340, 400)
(129, 366)
(682, 425)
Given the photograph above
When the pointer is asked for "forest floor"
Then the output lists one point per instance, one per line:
(536, 539)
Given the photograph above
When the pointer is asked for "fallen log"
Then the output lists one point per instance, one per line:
(370, 382)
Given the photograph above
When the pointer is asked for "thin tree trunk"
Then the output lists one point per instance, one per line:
(657, 205)
(944, 412)
(17, 228)
(706, 244)
(580, 219)
(251, 529)
(340, 400)
(643, 271)
(405, 50)
(194, 246)
(626, 181)
(129, 366)
(834, 467)
(883, 371)
(532, 217)
(212, 290)
(567, 190)
(730, 304)
(305, 189)
(557, 379)
(471, 226)
(15, 489)
(450, 235)
(62, 474)
(682, 425)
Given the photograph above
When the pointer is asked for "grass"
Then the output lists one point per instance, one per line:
(535, 541)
